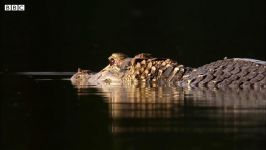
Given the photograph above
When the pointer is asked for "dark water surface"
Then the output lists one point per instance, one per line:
(50, 113)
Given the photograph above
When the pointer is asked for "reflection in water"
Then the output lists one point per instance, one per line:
(172, 109)
(50, 114)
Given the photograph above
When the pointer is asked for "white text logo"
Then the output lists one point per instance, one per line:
(15, 7)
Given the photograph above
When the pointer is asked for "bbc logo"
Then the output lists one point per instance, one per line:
(20, 7)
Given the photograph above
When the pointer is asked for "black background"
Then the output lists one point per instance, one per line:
(62, 36)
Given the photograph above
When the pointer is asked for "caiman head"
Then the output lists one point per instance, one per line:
(111, 74)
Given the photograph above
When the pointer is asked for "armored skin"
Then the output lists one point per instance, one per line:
(143, 68)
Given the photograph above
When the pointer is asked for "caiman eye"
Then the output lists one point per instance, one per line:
(111, 61)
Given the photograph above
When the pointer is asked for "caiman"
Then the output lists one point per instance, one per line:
(144, 68)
